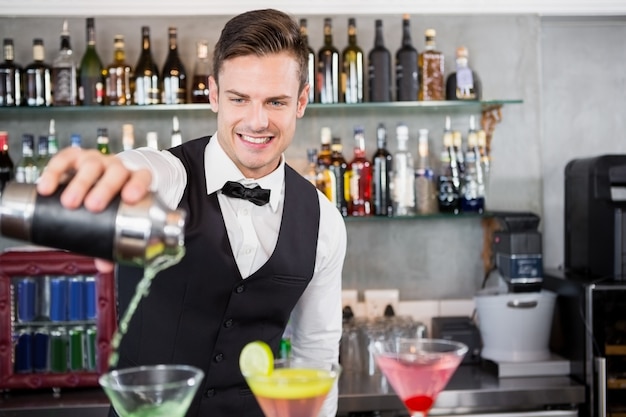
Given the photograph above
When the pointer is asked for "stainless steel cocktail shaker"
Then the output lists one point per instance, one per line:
(131, 234)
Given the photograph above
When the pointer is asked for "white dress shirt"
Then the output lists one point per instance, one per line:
(253, 232)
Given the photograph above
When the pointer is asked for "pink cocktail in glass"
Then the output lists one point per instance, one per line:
(418, 369)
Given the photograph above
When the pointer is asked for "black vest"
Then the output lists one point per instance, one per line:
(201, 312)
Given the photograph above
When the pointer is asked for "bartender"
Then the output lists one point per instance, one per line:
(263, 246)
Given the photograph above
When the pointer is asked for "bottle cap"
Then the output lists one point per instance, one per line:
(457, 139)
(430, 33)
(152, 140)
(462, 52)
(402, 131)
(326, 135)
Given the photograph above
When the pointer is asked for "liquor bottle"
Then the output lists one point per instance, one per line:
(457, 144)
(325, 183)
(174, 76)
(379, 64)
(53, 143)
(359, 177)
(42, 157)
(338, 168)
(304, 33)
(485, 160)
(464, 83)
(177, 137)
(102, 141)
(38, 78)
(91, 85)
(201, 73)
(382, 171)
(473, 187)
(128, 136)
(10, 77)
(430, 67)
(406, 65)
(353, 67)
(146, 76)
(403, 175)
(425, 190)
(26, 169)
(118, 77)
(328, 68)
(64, 73)
(311, 170)
(152, 140)
(6, 163)
(448, 180)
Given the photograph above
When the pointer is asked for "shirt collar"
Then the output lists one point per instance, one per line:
(219, 168)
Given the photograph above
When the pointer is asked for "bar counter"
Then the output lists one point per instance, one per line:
(472, 390)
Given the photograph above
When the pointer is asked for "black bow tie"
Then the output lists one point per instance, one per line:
(256, 195)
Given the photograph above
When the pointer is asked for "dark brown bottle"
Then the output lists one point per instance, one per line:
(201, 73)
(10, 77)
(38, 78)
(174, 76)
(146, 79)
(406, 65)
(382, 169)
(311, 60)
(352, 75)
(338, 169)
(328, 68)
(379, 64)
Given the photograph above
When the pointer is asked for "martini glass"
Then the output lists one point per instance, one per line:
(154, 391)
(295, 388)
(418, 369)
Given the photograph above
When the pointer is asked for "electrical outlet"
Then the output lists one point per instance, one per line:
(349, 298)
(376, 301)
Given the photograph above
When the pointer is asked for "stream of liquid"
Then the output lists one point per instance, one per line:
(143, 288)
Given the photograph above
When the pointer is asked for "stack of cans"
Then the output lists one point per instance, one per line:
(55, 324)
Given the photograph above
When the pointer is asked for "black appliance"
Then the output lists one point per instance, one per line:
(589, 329)
(517, 250)
(459, 329)
(589, 324)
(595, 216)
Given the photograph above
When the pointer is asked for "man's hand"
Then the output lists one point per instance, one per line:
(93, 180)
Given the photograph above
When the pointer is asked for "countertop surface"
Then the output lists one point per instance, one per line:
(472, 389)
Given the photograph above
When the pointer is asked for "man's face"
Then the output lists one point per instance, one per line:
(257, 104)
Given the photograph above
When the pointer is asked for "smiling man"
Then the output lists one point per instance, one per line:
(263, 246)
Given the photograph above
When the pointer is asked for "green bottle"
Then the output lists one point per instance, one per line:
(91, 72)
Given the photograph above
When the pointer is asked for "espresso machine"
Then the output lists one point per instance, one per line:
(589, 326)
(517, 250)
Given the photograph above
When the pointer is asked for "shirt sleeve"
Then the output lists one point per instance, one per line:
(316, 320)
(169, 177)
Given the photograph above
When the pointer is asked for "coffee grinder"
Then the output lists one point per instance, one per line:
(517, 250)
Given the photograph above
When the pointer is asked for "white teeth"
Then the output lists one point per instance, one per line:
(255, 140)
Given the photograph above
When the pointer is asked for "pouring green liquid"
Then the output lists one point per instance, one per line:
(143, 288)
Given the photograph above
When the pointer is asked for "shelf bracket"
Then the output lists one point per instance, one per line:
(491, 116)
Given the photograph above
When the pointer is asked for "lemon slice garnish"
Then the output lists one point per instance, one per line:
(256, 358)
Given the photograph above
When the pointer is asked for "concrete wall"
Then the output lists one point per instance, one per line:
(521, 56)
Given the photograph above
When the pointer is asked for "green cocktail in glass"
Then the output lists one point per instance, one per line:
(152, 391)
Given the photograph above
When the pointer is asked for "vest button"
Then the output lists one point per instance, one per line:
(209, 393)
(219, 357)
(239, 289)
(228, 323)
